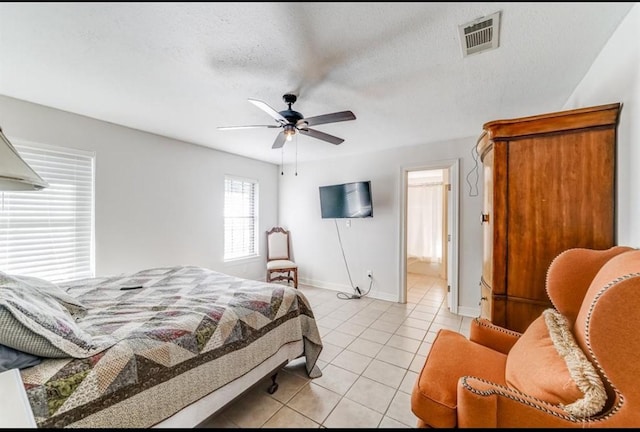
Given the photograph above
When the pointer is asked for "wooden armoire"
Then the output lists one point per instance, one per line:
(549, 185)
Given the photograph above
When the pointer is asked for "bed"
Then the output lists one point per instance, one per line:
(162, 347)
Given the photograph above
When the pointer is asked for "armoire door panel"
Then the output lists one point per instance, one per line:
(499, 217)
(558, 185)
(499, 310)
(487, 221)
(549, 186)
(485, 300)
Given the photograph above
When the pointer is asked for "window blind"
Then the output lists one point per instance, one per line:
(50, 233)
(240, 218)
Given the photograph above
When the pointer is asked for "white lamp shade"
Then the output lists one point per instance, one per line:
(15, 173)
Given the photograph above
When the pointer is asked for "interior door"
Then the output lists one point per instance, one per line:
(448, 205)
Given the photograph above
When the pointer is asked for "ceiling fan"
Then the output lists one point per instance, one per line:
(292, 122)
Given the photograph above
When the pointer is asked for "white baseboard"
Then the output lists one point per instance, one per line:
(374, 294)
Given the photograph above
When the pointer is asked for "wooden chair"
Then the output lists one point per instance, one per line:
(280, 267)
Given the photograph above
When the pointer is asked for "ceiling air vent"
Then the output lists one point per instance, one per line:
(480, 35)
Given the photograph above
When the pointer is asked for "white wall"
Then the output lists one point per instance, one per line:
(374, 243)
(158, 201)
(615, 77)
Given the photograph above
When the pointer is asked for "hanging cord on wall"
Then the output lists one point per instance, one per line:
(356, 291)
(296, 154)
(474, 170)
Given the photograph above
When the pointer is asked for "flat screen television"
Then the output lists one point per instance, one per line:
(348, 200)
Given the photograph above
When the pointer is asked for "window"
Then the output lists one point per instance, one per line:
(50, 233)
(240, 218)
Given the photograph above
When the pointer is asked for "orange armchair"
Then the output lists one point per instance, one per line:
(577, 365)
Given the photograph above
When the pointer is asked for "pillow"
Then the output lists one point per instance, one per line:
(73, 305)
(35, 322)
(547, 363)
(14, 359)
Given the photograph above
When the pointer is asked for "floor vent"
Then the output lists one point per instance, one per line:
(480, 35)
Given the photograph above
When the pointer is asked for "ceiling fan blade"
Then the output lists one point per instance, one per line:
(247, 127)
(321, 135)
(266, 108)
(329, 118)
(280, 140)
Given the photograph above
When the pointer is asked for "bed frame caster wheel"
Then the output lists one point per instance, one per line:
(274, 385)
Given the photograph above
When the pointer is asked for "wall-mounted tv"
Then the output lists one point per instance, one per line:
(348, 200)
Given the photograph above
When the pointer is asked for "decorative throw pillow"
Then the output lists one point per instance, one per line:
(547, 363)
(35, 322)
(14, 359)
(73, 305)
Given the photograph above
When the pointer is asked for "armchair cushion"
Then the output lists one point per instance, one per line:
(452, 356)
(281, 264)
(546, 363)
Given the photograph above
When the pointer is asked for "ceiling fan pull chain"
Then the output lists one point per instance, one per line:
(296, 155)
(282, 161)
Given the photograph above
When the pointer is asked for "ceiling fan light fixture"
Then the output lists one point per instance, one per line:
(289, 131)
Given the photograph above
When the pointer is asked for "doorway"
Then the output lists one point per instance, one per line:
(429, 227)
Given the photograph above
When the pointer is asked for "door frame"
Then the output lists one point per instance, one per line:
(453, 217)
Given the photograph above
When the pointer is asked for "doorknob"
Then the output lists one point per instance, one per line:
(485, 217)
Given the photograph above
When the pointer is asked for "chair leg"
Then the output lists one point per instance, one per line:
(295, 278)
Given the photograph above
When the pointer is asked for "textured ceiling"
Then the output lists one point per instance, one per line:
(183, 69)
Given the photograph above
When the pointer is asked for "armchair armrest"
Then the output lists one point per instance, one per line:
(478, 402)
(485, 333)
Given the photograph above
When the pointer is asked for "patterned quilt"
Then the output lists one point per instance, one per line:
(185, 333)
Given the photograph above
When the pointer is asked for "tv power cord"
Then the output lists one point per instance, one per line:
(357, 292)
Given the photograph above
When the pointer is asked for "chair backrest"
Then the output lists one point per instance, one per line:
(570, 274)
(277, 244)
(598, 291)
(606, 329)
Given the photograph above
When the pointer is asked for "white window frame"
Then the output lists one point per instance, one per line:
(229, 255)
(46, 244)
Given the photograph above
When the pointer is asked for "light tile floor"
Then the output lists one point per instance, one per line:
(372, 353)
